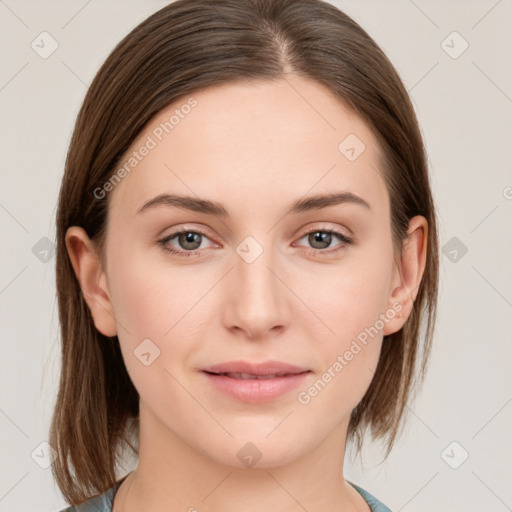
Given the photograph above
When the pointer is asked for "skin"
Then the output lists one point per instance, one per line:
(255, 148)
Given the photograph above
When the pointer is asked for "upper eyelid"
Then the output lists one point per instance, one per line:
(306, 231)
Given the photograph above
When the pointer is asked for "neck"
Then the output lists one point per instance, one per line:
(171, 475)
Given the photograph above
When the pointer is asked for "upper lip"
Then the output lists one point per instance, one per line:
(255, 368)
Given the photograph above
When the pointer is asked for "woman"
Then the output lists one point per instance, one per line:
(246, 248)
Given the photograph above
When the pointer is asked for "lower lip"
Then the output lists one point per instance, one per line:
(256, 390)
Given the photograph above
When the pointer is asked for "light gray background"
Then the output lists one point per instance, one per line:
(464, 106)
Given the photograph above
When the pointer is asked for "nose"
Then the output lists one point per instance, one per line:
(257, 299)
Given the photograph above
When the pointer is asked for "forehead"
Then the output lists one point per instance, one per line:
(244, 141)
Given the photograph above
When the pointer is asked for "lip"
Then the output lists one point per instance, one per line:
(255, 390)
(255, 368)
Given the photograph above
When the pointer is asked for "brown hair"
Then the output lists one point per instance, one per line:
(188, 45)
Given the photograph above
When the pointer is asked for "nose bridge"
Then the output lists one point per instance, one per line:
(258, 296)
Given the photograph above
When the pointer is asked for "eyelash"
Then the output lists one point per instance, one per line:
(343, 238)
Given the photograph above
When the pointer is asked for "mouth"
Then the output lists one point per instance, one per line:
(247, 376)
(255, 387)
(242, 368)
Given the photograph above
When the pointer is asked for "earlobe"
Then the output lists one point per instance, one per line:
(408, 272)
(92, 278)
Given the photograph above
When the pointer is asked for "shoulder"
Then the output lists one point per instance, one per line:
(100, 503)
(373, 502)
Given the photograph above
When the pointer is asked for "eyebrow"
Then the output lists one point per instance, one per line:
(216, 209)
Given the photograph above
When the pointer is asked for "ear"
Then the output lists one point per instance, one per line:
(407, 274)
(92, 278)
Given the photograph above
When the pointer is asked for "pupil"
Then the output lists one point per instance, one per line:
(322, 238)
(191, 238)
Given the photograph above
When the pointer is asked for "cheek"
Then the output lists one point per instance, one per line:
(350, 298)
(156, 300)
(149, 294)
(156, 303)
(351, 304)
(139, 300)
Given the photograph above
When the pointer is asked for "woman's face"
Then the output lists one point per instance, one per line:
(256, 283)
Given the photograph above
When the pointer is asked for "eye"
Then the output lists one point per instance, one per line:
(188, 239)
(321, 239)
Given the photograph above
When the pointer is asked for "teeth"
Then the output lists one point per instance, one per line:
(244, 376)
